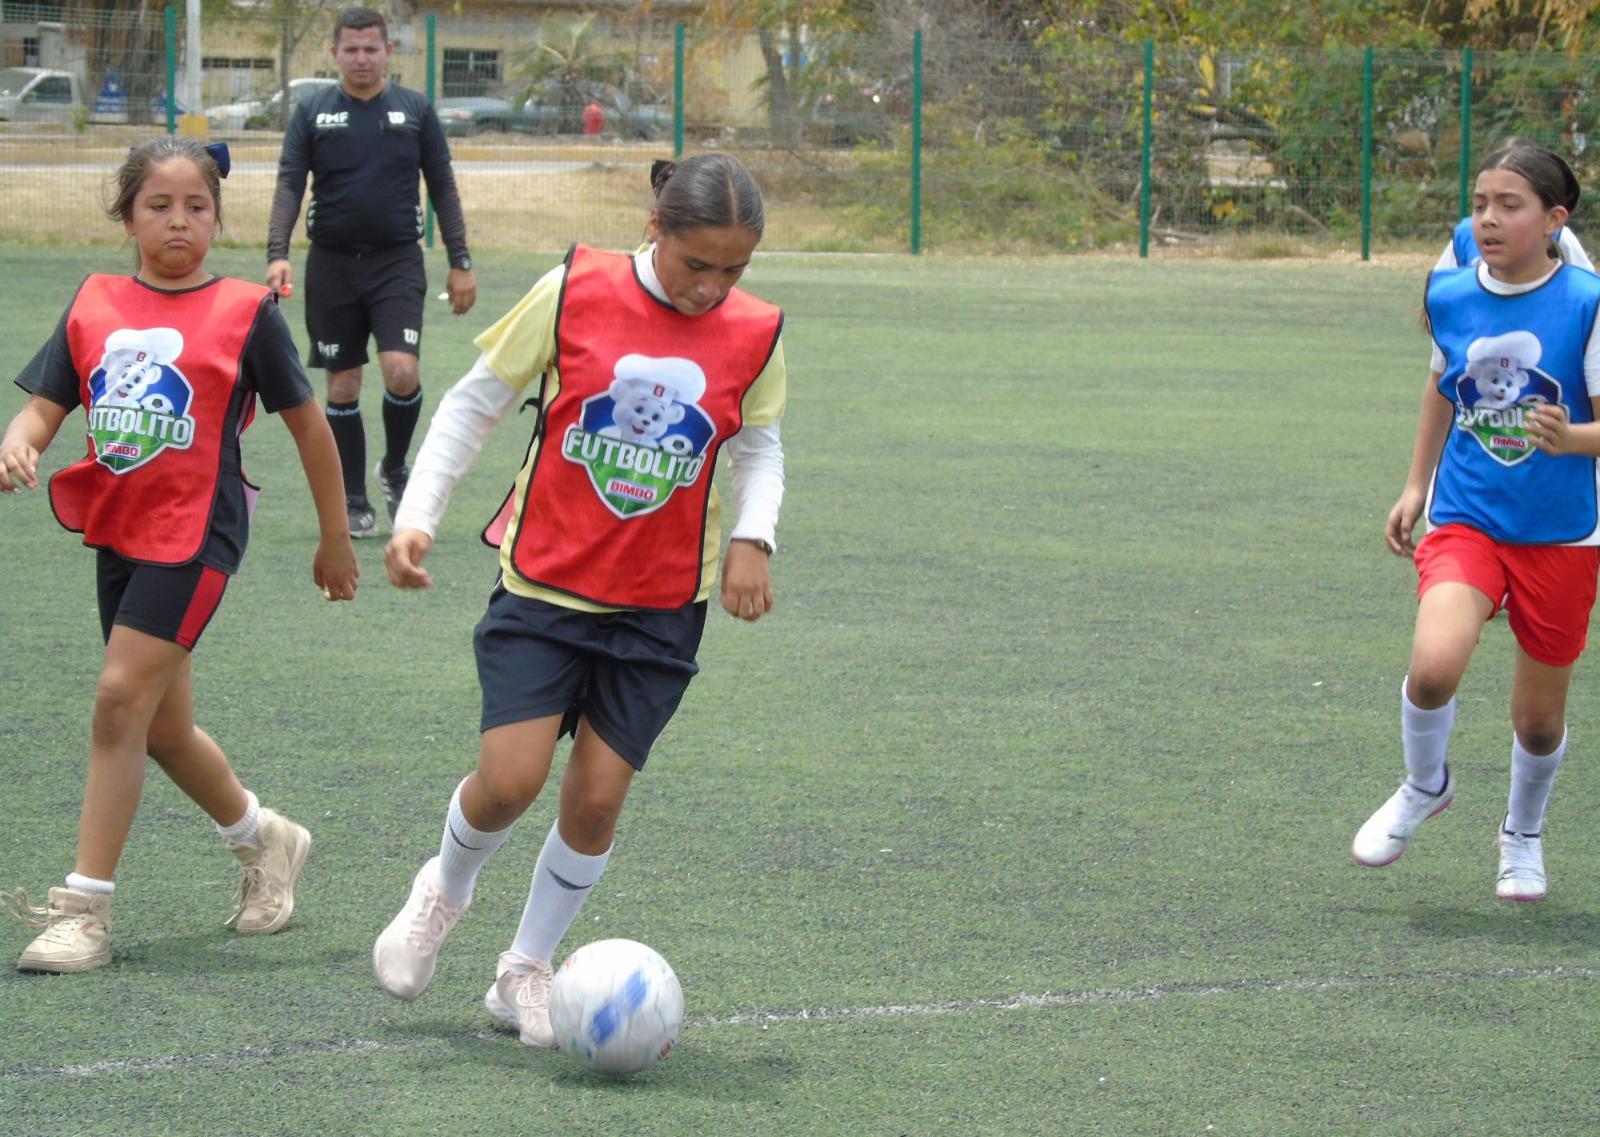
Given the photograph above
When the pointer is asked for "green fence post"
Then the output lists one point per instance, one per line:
(171, 17)
(916, 142)
(433, 25)
(1464, 198)
(1366, 155)
(677, 92)
(1144, 155)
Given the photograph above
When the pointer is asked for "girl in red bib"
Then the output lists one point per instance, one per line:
(643, 367)
(168, 365)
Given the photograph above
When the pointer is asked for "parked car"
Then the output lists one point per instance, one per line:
(38, 94)
(555, 109)
(264, 113)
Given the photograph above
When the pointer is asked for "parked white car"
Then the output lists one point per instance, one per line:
(37, 94)
(263, 114)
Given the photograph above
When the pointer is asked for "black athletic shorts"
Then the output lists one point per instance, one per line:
(351, 296)
(170, 602)
(625, 672)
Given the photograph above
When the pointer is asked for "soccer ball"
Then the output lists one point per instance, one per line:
(616, 1007)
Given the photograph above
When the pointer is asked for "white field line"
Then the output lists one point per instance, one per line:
(825, 1014)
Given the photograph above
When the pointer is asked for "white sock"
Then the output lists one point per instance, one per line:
(1425, 737)
(1532, 776)
(90, 885)
(463, 851)
(561, 883)
(246, 832)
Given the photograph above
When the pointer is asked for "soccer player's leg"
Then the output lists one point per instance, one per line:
(338, 326)
(570, 863)
(1461, 581)
(397, 300)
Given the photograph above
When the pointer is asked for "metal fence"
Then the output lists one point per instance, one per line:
(884, 144)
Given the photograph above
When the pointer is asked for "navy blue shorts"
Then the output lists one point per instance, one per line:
(170, 602)
(625, 672)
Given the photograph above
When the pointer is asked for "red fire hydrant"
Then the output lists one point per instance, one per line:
(594, 119)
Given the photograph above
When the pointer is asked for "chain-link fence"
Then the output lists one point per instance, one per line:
(1064, 143)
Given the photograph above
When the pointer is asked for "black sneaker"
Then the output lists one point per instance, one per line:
(394, 486)
(363, 522)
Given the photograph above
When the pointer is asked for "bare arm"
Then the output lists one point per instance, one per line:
(334, 567)
(25, 439)
(1433, 427)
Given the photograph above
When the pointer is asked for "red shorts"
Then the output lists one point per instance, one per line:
(1546, 590)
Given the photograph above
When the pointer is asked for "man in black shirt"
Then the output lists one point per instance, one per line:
(363, 141)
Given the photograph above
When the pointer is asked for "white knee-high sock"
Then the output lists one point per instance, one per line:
(1425, 738)
(1532, 776)
(462, 852)
(562, 881)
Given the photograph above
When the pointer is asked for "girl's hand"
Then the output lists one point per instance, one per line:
(19, 468)
(335, 569)
(1549, 427)
(402, 556)
(746, 580)
(1403, 519)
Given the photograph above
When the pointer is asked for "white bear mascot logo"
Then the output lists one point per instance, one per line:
(1498, 366)
(647, 396)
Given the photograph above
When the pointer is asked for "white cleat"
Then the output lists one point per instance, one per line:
(1387, 832)
(1522, 875)
(520, 998)
(404, 956)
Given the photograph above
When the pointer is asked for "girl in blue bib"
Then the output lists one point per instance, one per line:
(1504, 471)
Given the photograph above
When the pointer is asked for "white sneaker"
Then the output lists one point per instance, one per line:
(77, 930)
(520, 998)
(1387, 832)
(1522, 875)
(404, 956)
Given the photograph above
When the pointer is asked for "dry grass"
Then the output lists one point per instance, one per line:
(55, 191)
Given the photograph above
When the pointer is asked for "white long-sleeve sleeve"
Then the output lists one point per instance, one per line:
(466, 415)
(755, 461)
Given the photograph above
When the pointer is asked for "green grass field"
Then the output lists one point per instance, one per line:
(1027, 811)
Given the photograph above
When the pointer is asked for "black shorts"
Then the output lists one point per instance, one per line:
(350, 296)
(170, 602)
(625, 672)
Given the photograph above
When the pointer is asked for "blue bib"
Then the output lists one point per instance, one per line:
(1505, 355)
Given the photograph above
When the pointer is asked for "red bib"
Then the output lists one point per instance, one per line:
(157, 372)
(616, 502)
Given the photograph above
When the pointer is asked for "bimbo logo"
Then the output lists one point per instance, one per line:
(645, 435)
(1500, 385)
(139, 401)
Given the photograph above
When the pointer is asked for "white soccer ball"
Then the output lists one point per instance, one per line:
(616, 1007)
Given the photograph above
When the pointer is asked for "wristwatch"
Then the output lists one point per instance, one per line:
(466, 263)
(764, 545)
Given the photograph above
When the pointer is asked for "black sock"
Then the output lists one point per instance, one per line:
(351, 438)
(400, 417)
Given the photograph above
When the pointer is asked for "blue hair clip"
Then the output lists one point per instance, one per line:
(219, 155)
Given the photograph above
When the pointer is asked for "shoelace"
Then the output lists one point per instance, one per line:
(534, 988)
(254, 877)
(432, 922)
(16, 904)
(1521, 860)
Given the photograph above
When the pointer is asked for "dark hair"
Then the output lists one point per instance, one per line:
(146, 156)
(1551, 178)
(358, 19)
(708, 191)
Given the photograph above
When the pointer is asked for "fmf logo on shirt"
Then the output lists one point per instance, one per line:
(645, 435)
(333, 118)
(138, 399)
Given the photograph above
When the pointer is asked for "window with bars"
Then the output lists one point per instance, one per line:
(470, 70)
